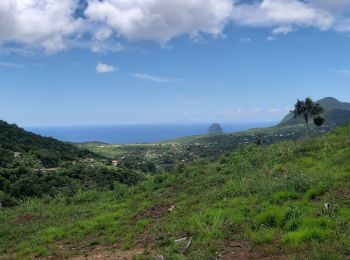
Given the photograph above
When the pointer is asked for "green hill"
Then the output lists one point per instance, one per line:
(17, 145)
(259, 202)
(36, 166)
(335, 112)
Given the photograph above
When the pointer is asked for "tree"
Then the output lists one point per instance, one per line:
(259, 140)
(308, 109)
(319, 120)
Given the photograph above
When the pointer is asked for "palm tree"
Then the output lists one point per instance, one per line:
(309, 109)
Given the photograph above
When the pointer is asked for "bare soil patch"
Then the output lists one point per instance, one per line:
(29, 218)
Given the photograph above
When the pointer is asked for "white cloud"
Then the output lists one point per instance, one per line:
(38, 23)
(105, 68)
(283, 30)
(160, 20)
(52, 24)
(153, 78)
(281, 12)
(270, 38)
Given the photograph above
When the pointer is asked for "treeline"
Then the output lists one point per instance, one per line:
(22, 182)
(36, 166)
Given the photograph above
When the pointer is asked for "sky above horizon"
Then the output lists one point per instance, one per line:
(93, 62)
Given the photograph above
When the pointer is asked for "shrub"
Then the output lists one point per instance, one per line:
(6, 200)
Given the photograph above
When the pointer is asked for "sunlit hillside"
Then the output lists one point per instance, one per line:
(289, 200)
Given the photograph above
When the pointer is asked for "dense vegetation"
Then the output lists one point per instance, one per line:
(259, 201)
(35, 166)
(20, 183)
(18, 145)
(160, 158)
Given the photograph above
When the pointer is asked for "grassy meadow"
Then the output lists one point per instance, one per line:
(257, 202)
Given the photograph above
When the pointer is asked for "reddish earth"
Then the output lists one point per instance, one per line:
(154, 212)
(29, 218)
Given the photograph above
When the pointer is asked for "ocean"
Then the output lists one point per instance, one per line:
(134, 134)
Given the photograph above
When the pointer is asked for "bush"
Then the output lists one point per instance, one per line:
(6, 200)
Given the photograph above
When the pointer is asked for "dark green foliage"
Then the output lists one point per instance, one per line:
(25, 182)
(35, 166)
(16, 142)
(259, 140)
(319, 120)
(308, 109)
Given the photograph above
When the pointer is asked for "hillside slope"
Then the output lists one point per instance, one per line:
(258, 202)
(335, 112)
(16, 143)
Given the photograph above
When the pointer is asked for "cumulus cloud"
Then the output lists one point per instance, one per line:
(102, 24)
(40, 23)
(104, 68)
(281, 12)
(160, 20)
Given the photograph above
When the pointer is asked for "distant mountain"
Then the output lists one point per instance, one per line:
(16, 143)
(215, 129)
(336, 113)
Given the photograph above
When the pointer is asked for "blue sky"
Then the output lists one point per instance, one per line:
(234, 68)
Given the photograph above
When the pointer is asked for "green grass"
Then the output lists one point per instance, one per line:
(269, 199)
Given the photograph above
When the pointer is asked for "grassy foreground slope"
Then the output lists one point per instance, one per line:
(256, 202)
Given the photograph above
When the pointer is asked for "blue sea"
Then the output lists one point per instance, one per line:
(134, 134)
